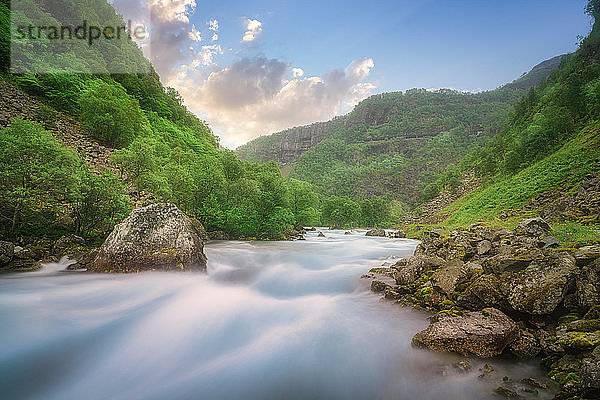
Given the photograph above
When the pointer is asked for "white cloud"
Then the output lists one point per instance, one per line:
(297, 72)
(253, 30)
(253, 96)
(213, 25)
(215, 37)
(195, 34)
(171, 10)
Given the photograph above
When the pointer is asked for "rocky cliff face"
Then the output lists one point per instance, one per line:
(286, 146)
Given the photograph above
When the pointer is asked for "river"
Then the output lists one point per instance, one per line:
(270, 320)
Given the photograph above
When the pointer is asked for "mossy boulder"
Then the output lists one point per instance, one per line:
(483, 333)
(541, 287)
(156, 237)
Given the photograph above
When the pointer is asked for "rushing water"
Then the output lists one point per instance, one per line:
(270, 320)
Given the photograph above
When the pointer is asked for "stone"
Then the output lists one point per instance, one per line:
(483, 292)
(526, 346)
(534, 383)
(484, 247)
(541, 287)
(347, 233)
(7, 252)
(156, 237)
(321, 234)
(398, 234)
(549, 242)
(66, 242)
(587, 253)
(590, 377)
(506, 393)
(217, 235)
(376, 232)
(483, 333)
(511, 258)
(446, 278)
(416, 265)
(587, 288)
(534, 227)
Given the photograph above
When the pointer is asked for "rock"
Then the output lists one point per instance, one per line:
(409, 271)
(590, 377)
(593, 313)
(446, 278)
(506, 393)
(534, 383)
(541, 287)
(511, 258)
(484, 292)
(549, 242)
(438, 232)
(587, 253)
(217, 235)
(84, 261)
(347, 233)
(321, 234)
(484, 247)
(398, 234)
(67, 242)
(587, 288)
(7, 252)
(375, 232)
(534, 227)
(486, 370)
(483, 333)
(156, 237)
(526, 346)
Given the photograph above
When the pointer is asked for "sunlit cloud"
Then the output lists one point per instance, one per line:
(253, 30)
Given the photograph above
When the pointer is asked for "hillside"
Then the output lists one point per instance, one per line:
(79, 150)
(537, 74)
(394, 144)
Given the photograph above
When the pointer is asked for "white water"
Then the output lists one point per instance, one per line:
(270, 320)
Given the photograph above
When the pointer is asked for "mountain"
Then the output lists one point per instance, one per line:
(538, 73)
(393, 144)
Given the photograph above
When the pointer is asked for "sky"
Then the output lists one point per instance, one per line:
(255, 67)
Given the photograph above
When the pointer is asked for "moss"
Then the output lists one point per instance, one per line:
(565, 319)
(593, 313)
(447, 303)
(581, 340)
(589, 325)
(426, 291)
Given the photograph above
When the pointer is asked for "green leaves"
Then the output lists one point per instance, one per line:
(111, 114)
(39, 177)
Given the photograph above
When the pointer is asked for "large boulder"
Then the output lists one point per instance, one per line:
(409, 270)
(483, 292)
(541, 287)
(156, 237)
(375, 232)
(483, 333)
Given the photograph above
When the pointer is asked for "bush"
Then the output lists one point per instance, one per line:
(111, 114)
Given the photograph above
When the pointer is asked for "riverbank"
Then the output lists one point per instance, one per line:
(546, 299)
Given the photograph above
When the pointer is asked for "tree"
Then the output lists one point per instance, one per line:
(111, 114)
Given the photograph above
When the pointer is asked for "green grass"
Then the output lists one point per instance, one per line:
(573, 234)
(567, 166)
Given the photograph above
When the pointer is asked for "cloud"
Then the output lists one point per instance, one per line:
(213, 25)
(254, 96)
(297, 72)
(195, 35)
(253, 30)
(171, 10)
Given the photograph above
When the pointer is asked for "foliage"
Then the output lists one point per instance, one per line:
(39, 177)
(111, 114)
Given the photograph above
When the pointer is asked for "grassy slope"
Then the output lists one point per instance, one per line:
(565, 167)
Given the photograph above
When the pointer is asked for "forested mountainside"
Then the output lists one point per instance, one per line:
(78, 149)
(393, 144)
(546, 159)
(538, 74)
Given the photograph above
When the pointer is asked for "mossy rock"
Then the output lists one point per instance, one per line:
(580, 340)
(593, 313)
